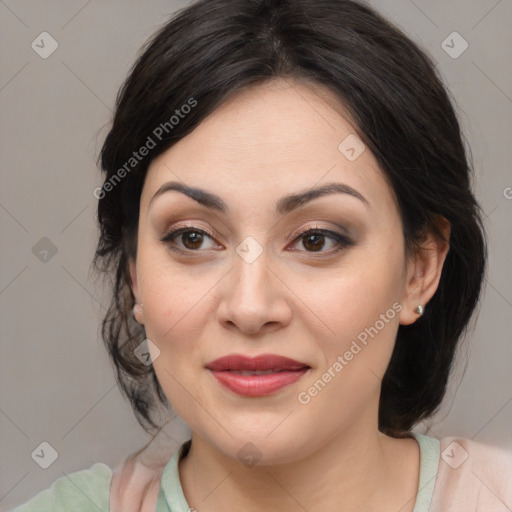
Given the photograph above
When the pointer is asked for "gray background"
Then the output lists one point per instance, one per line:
(56, 383)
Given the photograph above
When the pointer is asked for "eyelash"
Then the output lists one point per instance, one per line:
(341, 241)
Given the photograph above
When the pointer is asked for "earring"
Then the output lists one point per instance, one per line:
(419, 310)
(137, 309)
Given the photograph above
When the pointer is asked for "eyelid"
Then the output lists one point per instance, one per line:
(211, 233)
(175, 232)
(316, 227)
(341, 241)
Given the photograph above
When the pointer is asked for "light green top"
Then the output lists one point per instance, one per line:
(88, 490)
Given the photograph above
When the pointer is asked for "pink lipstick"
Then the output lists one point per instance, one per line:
(256, 376)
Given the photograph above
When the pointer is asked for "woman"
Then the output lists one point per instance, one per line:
(297, 252)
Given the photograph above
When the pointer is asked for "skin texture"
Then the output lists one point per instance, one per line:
(298, 299)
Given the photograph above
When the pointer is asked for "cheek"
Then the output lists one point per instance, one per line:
(175, 312)
(175, 316)
(364, 319)
(359, 305)
(175, 295)
(359, 352)
(353, 297)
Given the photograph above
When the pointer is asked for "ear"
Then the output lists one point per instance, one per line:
(133, 277)
(424, 272)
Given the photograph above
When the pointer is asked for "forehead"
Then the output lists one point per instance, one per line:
(271, 140)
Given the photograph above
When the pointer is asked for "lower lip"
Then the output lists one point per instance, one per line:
(257, 385)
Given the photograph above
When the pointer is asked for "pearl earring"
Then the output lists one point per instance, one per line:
(137, 309)
(419, 310)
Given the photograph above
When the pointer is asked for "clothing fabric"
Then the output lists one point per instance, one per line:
(456, 475)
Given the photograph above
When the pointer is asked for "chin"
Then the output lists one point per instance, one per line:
(261, 449)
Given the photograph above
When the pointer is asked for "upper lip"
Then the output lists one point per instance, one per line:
(261, 362)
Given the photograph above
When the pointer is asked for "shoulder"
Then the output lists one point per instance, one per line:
(472, 476)
(136, 480)
(81, 491)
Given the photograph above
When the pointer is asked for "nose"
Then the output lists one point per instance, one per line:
(254, 298)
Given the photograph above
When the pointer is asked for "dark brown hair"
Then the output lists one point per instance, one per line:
(214, 48)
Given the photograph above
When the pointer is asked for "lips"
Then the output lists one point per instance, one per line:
(268, 363)
(256, 376)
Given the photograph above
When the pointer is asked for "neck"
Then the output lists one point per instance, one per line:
(357, 469)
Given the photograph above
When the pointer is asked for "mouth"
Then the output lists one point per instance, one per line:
(256, 376)
(255, 372)
(263, 363)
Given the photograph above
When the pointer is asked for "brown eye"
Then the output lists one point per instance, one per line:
(191, 239)
(314, 240)
(194, 238)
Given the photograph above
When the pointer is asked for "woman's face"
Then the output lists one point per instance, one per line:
(331, 300)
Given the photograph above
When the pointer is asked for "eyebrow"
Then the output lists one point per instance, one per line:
(284, 205)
